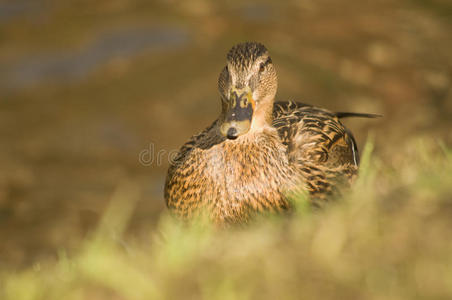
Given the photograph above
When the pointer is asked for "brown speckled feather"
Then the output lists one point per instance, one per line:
(310, 150)
(231, 180)
(315, 134)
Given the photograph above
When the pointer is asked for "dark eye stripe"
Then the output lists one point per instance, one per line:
(264, 64)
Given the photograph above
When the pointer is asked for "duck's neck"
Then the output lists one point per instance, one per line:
(255, 161)
(262, 117)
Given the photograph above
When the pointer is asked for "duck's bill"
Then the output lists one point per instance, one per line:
(239, 115)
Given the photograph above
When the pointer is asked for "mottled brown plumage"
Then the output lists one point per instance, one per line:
(258, 152)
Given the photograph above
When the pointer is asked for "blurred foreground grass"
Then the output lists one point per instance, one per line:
(389, 238)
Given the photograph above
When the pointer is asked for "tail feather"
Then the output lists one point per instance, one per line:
(341, 115)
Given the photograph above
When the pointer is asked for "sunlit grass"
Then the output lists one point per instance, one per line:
(390, 237)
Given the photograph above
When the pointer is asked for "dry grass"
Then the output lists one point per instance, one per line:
(389, 238)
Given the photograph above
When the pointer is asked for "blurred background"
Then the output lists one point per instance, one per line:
(96, 93)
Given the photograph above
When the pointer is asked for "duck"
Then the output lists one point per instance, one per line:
(259, 154)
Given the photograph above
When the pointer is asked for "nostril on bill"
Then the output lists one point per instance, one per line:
(232, 133)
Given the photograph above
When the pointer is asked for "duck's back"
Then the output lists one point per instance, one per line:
(314, 135)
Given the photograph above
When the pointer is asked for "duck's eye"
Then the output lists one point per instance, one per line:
(264, 64)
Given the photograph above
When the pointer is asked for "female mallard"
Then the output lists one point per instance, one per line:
(257, 152)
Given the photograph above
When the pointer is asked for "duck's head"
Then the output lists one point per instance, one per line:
(247, 86)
